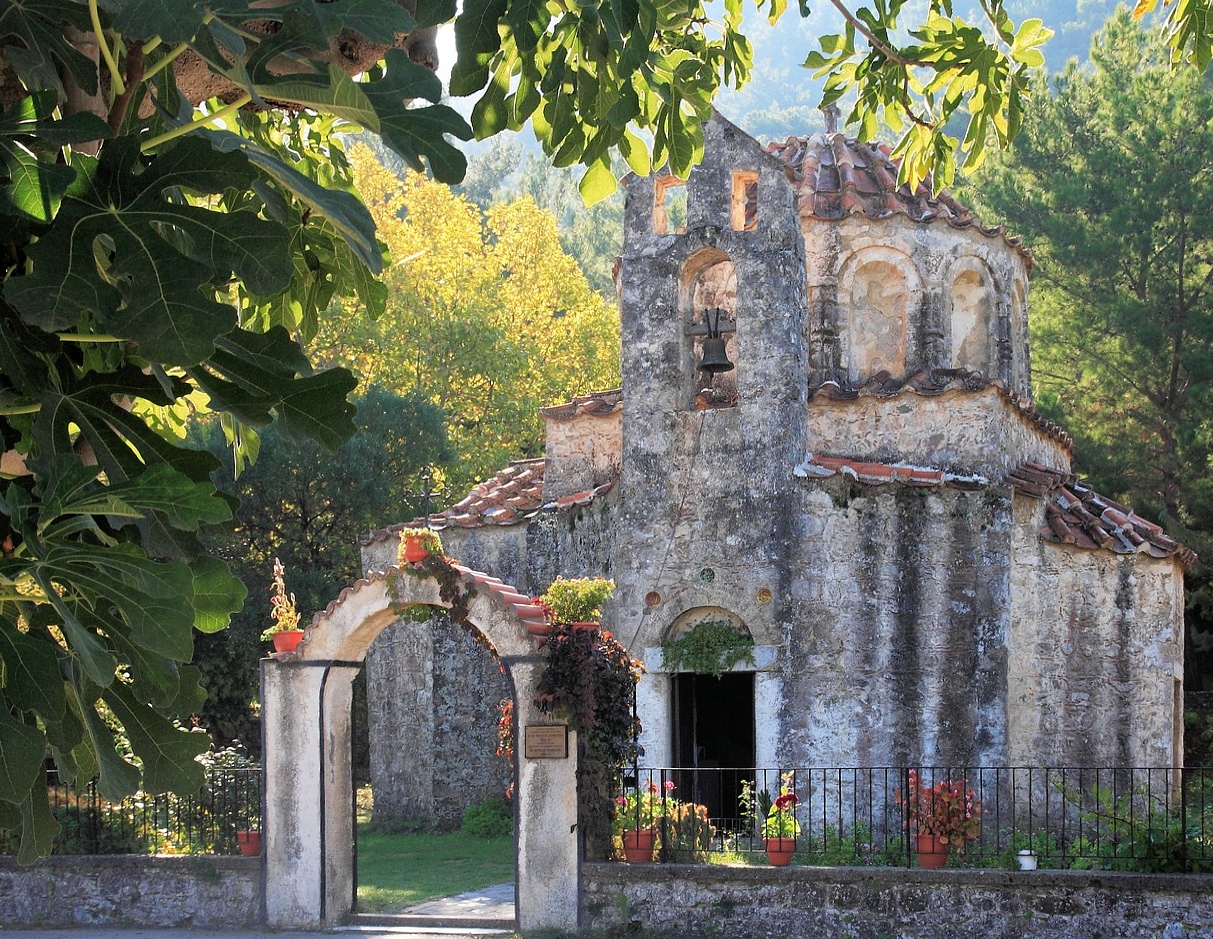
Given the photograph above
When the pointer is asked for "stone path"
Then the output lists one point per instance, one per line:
(489, 908)
(474, 915)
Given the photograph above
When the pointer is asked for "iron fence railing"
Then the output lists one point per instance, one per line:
(203, 823)
(1140, 819)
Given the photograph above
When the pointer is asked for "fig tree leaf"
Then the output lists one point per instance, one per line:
(32, 680)
(217, 595)
(255, 374)
(38, 827)
(32, 39)
(22, 749)
(167, 751)
(127, 251)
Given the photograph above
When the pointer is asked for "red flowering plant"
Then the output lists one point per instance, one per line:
(644, 806)
(948, 810)
(781, 819)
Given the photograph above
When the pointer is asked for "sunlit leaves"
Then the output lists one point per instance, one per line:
(488, 319)
(32, 182)
(950, 67)
(586, 75)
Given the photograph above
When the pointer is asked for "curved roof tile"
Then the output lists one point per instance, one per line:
(510, 497)
(841, 176)
(594, 404)
(1078, 515)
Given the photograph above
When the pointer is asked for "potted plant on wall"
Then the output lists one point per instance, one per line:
(780, 828)
(284, 633)
(577, 601)
(944, 817)
(637, 814)
(417, 544)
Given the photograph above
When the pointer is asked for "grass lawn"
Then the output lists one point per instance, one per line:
(397, 870)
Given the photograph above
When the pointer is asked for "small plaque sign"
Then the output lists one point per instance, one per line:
(546, 742)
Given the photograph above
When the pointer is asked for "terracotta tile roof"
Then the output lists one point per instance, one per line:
(937, 381)
(595, 404)
(1078, 515)
(512, 496)
(840, 176)
(878, 474)
(1075, 514)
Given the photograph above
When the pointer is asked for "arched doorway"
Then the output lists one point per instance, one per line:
(306, 711)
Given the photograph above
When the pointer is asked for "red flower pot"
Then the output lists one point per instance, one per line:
(638, 845)
(780, 851)
(288, 640)
(932, 852)
(249, 843)
(414, 552)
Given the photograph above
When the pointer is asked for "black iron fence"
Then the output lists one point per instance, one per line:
(203, 823)
(1143, 819)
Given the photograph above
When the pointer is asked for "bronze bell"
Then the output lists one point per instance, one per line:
(714, 357)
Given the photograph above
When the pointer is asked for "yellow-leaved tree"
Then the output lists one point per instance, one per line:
(486, 317)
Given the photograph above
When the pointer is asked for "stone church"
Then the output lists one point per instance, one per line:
(861, 484)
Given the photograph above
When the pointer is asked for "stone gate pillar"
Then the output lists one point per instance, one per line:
(549, 857)
(308, 823)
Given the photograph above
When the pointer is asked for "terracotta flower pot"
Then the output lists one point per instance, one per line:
(780, 851)
(932, 852)
(638, 845)
(288, 640)
(249, 842)
(414, 552)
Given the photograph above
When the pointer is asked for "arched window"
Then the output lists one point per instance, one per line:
(972, 319)
(879, 305)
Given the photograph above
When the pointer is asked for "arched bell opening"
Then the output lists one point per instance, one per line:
(708, 308)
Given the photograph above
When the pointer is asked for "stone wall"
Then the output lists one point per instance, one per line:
(871, 903)
(1096, 676)
(966, 432)
(132, 891)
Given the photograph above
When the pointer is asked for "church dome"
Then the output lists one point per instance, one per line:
(838, 176)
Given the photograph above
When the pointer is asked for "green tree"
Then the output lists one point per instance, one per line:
(487, 318)
(1111, 183)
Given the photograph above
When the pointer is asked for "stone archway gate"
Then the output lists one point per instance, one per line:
(306, 701)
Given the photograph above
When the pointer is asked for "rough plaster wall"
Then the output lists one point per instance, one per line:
(872, 903)
(400, 695)
(961, 431)
(1096, 653)
(129, 891)
(880, 301)
(468, 686)
(972, 315)
(897, 654)
(581, 453)
(434, 693)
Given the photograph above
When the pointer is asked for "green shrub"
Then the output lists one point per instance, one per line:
(489, 819)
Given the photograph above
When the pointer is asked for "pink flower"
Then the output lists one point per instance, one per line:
(669, 785)
(622, 800)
